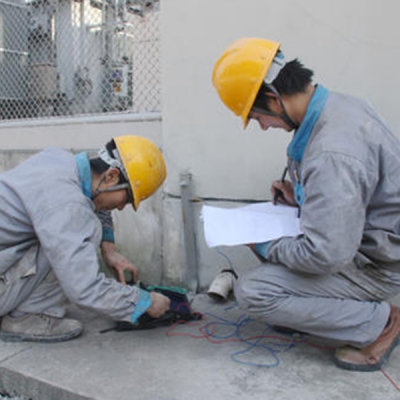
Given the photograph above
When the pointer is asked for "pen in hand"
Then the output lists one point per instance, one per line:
(278, 192)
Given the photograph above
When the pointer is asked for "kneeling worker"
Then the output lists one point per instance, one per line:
(336, 279)
(50, 234)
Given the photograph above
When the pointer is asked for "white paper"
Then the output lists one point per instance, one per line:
(255, 223)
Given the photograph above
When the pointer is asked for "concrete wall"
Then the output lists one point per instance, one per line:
(352, 47)
(138, 234)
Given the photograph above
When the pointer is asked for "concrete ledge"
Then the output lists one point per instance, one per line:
(18, 384)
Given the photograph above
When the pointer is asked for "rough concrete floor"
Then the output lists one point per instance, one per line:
(225, 356)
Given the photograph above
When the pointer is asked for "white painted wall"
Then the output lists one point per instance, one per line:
(351, 45)
(77, 133)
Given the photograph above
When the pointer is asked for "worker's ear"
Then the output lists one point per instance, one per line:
(273, 102)
(271, 97)
(112, 176)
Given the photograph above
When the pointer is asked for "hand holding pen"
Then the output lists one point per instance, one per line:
(282, 191)
(279, 195)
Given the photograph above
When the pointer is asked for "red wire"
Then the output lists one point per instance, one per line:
(209, 337)
(390, 379)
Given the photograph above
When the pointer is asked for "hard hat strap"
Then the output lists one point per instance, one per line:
(120, 186)
(98, 190)
(114, 160)
(277, 64)
(284, 115)
(114, 188)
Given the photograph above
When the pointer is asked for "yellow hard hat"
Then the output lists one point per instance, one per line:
(144, 165)
(240, 71)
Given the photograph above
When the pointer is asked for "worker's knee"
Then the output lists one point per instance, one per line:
(256, 296)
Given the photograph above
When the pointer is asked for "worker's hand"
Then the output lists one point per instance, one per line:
(285, 193)
(252, 247)
(159, 305)
(117, 263)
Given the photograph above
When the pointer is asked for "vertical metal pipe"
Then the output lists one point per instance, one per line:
(191, 271)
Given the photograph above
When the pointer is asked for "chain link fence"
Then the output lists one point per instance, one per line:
(78, 57)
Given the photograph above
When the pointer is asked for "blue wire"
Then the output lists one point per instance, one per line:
(234, 356)
(220, 252)
(272, 349)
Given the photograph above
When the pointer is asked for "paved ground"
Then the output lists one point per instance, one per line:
(224, 356)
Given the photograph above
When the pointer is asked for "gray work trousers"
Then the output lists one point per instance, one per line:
(30, 286)
(349, 307)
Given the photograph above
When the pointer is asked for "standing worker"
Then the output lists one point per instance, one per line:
(335, 279)
(50, 234)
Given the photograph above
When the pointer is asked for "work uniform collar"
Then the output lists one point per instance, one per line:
(299, 142)
(85, 173)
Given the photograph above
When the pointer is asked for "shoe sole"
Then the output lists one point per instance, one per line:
(369, 367)
(20, 337)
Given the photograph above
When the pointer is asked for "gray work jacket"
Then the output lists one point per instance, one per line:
(350, 176)
(41, 202)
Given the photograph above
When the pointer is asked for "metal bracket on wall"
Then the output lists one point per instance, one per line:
(191, 271)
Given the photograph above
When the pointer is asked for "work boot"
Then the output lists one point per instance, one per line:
(372, 357)
(39, 328)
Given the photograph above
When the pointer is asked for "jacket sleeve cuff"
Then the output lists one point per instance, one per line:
(262, 249)
(108, 235)
(142, 305)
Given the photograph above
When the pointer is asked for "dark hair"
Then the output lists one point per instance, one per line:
(98, 166)
(293, 78)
